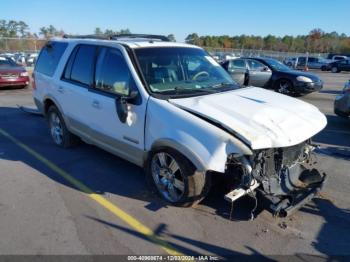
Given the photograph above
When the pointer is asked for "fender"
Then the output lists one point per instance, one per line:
(188, 153)
(204, 144)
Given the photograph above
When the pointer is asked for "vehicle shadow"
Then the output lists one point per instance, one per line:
(105, 173)
(99, 170)
(243, 209)
(333, 238)
(8, 88)
(331, 92)
(336, 133)
(189, 246)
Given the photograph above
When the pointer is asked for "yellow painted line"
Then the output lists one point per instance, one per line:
(128, 219)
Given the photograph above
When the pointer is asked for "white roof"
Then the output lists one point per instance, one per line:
(130, 42)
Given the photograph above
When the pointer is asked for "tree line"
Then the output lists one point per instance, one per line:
(317, 41)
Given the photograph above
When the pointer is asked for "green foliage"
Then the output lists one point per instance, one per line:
(50, 31)
(13, 28)
(317, 41)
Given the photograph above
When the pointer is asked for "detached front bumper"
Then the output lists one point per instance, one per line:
(304, 88)
(285, 179)
(286, 206)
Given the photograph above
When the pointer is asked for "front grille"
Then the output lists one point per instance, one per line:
(291, 154)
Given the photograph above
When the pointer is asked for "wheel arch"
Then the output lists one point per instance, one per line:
(185, 151)
(49, 101)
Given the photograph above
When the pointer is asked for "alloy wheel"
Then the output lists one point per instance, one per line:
(284, 87)
(168, 176)
(56, 128)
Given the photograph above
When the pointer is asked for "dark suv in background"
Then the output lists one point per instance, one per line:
(338, 66)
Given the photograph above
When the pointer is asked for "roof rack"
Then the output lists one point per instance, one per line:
(120, 36)
(144, 36)
(101, 37)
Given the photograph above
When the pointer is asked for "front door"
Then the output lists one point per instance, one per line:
(259, 74)
(113, 79)
(238, 71)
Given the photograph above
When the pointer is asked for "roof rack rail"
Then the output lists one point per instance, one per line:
(119, 36)
(146, 36)
(101, 37)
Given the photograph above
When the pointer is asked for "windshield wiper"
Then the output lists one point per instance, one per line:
(223, 84)
(201, 90)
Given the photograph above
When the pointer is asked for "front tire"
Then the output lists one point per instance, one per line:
(283, 86)
(175, 178)
(58, 129)
(340, 113)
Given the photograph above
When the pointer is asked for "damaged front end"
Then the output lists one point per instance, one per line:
(285, 178)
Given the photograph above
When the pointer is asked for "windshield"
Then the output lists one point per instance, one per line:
(6, 62)
(277, 65)
(174, 71)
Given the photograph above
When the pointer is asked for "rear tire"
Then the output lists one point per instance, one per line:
(58, 129)
(185, 187)
(335, 69)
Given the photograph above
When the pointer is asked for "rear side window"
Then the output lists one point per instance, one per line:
(49, 57)
(83, 65)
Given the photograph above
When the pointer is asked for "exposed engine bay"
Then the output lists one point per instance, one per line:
(285, 178)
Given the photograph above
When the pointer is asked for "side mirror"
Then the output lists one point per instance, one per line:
(121, 104)
(265, 69)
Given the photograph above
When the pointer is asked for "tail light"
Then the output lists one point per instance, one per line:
(33, 81)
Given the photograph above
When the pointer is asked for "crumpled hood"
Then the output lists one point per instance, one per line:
(261, 118)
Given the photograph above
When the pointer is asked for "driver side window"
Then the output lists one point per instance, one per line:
(112, 72)
(255, 65)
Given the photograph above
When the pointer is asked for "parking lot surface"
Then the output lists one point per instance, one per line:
(46, 206)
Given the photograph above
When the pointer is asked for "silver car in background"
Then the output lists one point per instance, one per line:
(342, 102)
(311, 62)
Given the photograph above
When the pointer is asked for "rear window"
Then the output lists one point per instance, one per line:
(80, 65)
(49, 57)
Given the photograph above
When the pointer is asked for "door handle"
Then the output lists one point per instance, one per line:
(60, 89)
(96, 104)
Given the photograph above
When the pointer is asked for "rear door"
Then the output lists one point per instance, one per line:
(259, 74)
(73, 90)
(238, 70)
(113, 79)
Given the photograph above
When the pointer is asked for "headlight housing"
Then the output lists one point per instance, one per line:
(24, 74)
(304, 79)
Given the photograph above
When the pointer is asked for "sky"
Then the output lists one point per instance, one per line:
(182, 17)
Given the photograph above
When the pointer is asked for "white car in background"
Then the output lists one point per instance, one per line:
(172, 109)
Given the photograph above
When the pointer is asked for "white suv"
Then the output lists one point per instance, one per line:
(169, 107)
